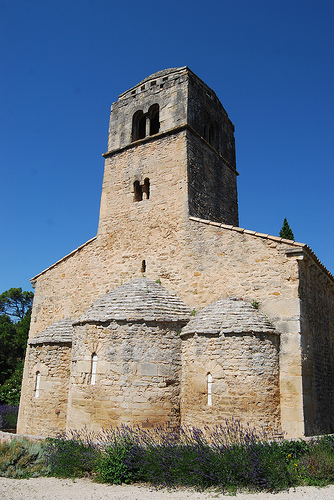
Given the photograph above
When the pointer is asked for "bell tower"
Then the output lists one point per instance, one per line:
(171, 155)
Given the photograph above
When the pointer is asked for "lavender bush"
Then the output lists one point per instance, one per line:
(8, 416)
(71, 454)
(229, 457)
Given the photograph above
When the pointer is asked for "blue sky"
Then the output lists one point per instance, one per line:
(271, 63)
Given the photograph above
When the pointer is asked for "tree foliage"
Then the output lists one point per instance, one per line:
(16, 303)
(15, 313)
(286, 231)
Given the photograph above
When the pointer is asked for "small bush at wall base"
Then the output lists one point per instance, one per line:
(73, 457)
(114, 465)
(8, 416)
(22, 459)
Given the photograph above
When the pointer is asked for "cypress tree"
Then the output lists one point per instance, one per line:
(286, 231)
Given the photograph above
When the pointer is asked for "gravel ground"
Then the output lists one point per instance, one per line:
(50, 488)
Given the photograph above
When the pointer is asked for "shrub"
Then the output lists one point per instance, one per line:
(316, 467)
(8, 416)
(22, 459)
(70, 455)
(114, 466)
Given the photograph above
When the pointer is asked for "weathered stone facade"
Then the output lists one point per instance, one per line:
(169, 212)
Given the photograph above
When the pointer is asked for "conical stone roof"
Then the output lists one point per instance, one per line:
(139, 300)
(59, 332)
(228, 316)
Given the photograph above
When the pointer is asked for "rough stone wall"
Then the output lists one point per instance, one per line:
(199, 262)
(204, 108)
(164, 162)
(317, 321)
(245, 380)
(46, 414)
(137, 379)
(212, 184)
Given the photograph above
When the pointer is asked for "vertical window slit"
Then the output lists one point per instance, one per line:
(37, 382)
(143, 266)
(137, 190)
(146, 187)
(93, 369)
(209, 389)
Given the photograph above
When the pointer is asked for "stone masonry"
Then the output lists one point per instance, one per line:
(152, 319)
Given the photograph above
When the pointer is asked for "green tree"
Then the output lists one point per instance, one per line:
(15, 313)
(286, 231)
(16, 303)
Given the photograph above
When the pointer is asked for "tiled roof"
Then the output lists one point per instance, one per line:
(139, 300)
(59, 332)
(228, 316)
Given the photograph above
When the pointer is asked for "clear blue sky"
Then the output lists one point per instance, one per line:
(271, 63)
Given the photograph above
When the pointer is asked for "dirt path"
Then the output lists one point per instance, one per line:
(43, 488)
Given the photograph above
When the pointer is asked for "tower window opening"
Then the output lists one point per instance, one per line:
(213, 135)
(138, 192)
(143, 266)
(93, 369)
(209, 389)
(146, 187)
(154, 119)
(141, 189)
(138, 126)
(37, 383)
(210, 131)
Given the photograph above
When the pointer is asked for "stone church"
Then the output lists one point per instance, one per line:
(173, 313)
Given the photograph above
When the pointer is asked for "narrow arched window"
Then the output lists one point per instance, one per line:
(146, 187)
(209, 389)
(213, 135)
(138, 126)
(137, 191)
(93, 369)
(153, 113)
(37, 382)
(206, 127)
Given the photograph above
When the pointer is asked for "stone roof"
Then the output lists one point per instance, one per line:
(162, 73)
(139, 300)
(59, 332)
(228, 316)
(154, 76)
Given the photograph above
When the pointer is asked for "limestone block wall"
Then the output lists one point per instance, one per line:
(212, 184)
(163, 162)
(44, 413)
(198, 261)
(317, 319)
(245, 380)
(137, 378)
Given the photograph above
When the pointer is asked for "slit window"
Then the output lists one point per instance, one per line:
(146, 188)
(37, 383)
(154, 119)
(210, 131)
(143, 266)
(137, 190)
(209, 389)
(93, 369)
(138, 126)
